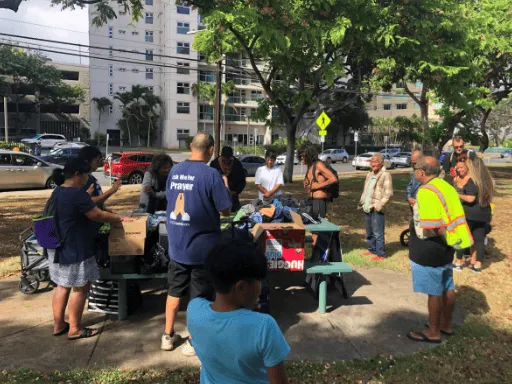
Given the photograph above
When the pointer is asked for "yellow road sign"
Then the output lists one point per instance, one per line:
(323, 121)
(322, 133)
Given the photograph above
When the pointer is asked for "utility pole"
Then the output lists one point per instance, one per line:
(6, 120)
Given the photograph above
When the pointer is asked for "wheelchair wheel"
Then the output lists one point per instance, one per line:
(28, 285)
(404, 237)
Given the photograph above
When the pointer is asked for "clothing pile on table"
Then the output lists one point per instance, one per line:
(277, 211)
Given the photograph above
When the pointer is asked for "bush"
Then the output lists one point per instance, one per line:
(98, 136)
(10, 145)
(189, 141)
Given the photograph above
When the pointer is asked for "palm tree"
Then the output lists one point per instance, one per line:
(101, 104)
(125, 98)
(151, 109)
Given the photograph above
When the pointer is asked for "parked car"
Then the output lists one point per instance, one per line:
(129, 167)
(363, 161)
(390, 151)
(402, 159)
(61, 155)
(281, 159)
(20, 170)
(251, 164)
(70, 144)
(45, 140)
(506, 154)
(334, 155)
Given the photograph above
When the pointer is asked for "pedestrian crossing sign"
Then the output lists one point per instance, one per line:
(323, 121)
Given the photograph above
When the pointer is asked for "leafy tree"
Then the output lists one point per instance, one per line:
(125, 98)
(23, 74)
(101, 104)
(303, 43)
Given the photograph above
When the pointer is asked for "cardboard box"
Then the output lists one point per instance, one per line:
(283, 244)
(128, 238)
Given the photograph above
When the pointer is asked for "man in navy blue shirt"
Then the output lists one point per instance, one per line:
(196, 194)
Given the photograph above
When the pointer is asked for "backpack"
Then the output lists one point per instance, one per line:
(45, 226)
(334, 188)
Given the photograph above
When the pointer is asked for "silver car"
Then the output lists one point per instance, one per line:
(45, 140)
(363, 161)
(251, 164)
(402, 159)
(19, 170)
(333, 155)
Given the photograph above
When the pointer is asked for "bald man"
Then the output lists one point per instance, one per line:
(378, 189)
(196, 197)
(414, 184)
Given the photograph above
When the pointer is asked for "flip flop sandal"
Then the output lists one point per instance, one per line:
(427, 325)
(85, 333)
(423, 338)
(62, 331)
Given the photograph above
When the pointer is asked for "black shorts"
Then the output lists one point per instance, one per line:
(184, 278)
(319, 207)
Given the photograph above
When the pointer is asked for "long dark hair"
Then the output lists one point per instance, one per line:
(308, 153)
(71, 168)
(159, 161)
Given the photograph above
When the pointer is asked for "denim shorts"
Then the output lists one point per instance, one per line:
(434, 281)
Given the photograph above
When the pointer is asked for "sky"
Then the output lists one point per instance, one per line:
(37, 18)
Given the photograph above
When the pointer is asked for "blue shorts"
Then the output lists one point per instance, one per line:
(432, 281)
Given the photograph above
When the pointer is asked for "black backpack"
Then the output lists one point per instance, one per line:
(334, 188)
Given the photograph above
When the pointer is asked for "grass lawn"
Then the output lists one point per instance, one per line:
(481, 352)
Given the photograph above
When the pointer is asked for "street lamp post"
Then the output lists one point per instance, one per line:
(218, 92)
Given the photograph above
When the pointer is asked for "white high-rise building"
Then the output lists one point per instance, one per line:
(157, 52)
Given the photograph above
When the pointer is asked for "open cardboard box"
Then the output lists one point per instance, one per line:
(283, 243)
(128, 237)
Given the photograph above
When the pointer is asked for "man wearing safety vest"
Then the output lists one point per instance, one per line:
(439, 227)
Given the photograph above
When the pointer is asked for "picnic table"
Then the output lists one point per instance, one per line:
(319, 273)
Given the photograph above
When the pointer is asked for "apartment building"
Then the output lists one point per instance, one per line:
(398, 103)
(157, 52)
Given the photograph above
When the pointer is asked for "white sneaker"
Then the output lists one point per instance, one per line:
(168, 342)
(188, 349)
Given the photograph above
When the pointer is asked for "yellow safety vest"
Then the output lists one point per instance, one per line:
(439, 206)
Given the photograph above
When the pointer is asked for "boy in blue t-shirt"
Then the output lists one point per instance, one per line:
(235, 344)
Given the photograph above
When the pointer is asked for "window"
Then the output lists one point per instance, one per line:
(416, 106)
(183, 108)
(149, 2)
(183, 9)
(122, 69)
(110, 32)
(151, 88)
(184, 131)
(70, 75)
(111, 89)
(110, 109)
(206, 112)
(387, 97)
(183, 88)
(401, 106)
(135, 33)
(135, 70)
(149, 18)
(399, 85)
(183, 28)
(149, 37)
(183, 68)
(27, 161)
(386, 107)
(110, 70)
(419, 84)
(149, 73)
(149, 54)
(207, 76)
(122, 32)
(122, 88)
(110, 51)
(256, 95)
(183, 48)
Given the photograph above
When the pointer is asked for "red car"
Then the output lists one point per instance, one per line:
(129, 166)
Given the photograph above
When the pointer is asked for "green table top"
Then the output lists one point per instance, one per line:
(324, 226)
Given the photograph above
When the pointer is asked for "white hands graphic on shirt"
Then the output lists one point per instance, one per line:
(179, 209)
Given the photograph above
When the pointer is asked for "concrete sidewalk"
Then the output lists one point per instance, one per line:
(375, 320)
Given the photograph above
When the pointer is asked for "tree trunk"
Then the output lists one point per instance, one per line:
(129, 134)
(484, 140)
(424, 122)
(451, 124)
(16, 121)
(149, 131)
(99, 128)
(290, 153)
